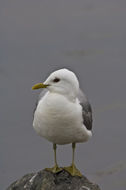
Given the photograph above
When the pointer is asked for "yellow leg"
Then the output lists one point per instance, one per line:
(72, 169)
(54, 169)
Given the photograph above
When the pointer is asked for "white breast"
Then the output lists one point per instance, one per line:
(59, 120)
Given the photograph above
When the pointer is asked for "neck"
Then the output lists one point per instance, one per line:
(71, 97)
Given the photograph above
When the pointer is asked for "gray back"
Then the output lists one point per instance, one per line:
(86, 110)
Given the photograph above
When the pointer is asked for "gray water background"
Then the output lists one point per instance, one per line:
(86, 36)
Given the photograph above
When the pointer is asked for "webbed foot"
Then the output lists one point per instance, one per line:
(73, 170)
(54, 169)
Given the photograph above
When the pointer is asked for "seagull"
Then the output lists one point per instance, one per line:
(63, 114)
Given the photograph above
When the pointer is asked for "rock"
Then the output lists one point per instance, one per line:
(45, 180)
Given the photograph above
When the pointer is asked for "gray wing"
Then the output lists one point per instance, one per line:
(86, 110)
(43, 92)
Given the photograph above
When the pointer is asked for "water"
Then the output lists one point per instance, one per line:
(88, 37)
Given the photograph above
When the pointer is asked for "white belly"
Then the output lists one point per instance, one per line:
(59, 120)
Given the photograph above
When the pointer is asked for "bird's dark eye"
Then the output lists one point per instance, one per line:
(56, 80)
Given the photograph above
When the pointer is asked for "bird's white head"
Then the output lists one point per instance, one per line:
(62, 81)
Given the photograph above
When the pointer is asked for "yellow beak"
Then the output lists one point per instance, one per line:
(39, 85)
